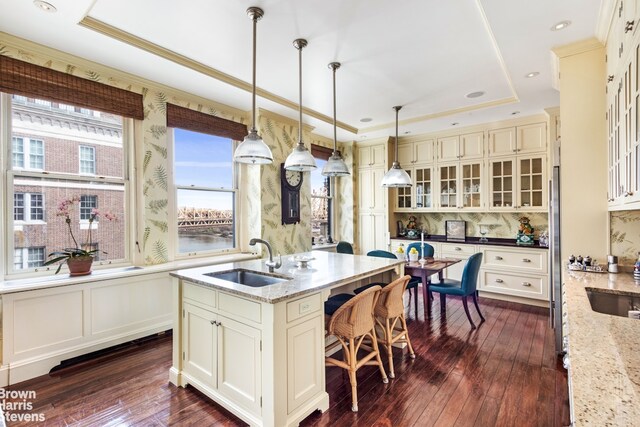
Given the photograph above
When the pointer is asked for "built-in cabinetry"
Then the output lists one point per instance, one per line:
(372, 198)
(623, 103)
(507, 173)
(231, 352)
(506, 270)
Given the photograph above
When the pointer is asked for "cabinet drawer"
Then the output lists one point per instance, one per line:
(302, 307)
(238, 307)
(515, 259)
(449, 249)
(200, 294)
(514, 284)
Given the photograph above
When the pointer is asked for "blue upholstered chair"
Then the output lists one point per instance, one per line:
(412, 285)
(428, 249)
(463, 288)
(344, 248)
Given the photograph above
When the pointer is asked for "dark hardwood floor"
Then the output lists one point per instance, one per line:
(504, 373)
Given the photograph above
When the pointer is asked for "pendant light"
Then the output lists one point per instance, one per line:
(300, 159)
(335, 166)
(396, 176)
(253, 150)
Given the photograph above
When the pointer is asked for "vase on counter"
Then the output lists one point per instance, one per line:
(80, 265)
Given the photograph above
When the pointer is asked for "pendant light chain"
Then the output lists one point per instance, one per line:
(253, 91)
(397, 108)
(334, 66)
(300, 44)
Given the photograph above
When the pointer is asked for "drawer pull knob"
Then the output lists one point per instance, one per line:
(499, 281)
(526, 260)
(526, 284)
(458, 248)
(499, 258)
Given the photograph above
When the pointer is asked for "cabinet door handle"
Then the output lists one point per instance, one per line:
(526, 284)
(526, 260)
(213, 322)
(515, 150)
(499, 281)
(498, 258)
(458, 248)
(629, 26)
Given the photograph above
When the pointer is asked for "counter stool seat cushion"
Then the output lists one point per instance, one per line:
(334, 302)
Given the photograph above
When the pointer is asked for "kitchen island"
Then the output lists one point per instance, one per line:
(259, 351)
(603, 352)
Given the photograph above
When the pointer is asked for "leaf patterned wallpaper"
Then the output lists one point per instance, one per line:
(501, 224)
(260, 185)
(625, 236)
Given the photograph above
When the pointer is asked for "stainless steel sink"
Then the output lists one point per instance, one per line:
(614, 304)
(255, 279)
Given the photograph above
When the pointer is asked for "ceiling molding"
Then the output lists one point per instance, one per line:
(132, 40)
(577, 48)
(432, 116)
(605, 19)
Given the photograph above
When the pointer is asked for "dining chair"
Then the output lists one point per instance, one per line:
(411, 286)
(463, 288)
(428, 249)
(352, 324)
(389, 316)
(344, 248)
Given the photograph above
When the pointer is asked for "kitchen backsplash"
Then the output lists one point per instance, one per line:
(625, 236)
(503, 225)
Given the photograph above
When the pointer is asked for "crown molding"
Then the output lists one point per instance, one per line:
(578, 47)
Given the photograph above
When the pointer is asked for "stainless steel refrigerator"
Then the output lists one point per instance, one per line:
(555, 270)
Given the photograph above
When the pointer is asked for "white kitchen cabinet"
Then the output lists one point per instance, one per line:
(461, 186)
(520, 271)
(418, 197)
(415, 153)
(524, 139)
(372, 196)
(372, 156)
(456, 250)
(518, 182)
(219, 352)
(372, 232)
(461, 147)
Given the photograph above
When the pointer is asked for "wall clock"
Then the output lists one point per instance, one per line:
(291, 181)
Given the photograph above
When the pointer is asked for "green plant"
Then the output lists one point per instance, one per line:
(68, 253)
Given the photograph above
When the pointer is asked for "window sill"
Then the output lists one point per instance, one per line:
(43, 282)
(323, 246)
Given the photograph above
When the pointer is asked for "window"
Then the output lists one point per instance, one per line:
(24, 258)
(24, 148)
(87, 160)
(87, 205)
(205, 192)
(321, 198)
(28, 207)
(39, 187)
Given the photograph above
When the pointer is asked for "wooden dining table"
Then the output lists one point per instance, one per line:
(425, 270)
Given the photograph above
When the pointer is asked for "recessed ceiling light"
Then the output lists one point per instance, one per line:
(477, 94)
(43, 5)
(455, 124)
(515, 112)
(366, 119)
(561, 25)
(532, 74)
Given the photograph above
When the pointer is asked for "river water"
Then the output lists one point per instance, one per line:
(203, 242)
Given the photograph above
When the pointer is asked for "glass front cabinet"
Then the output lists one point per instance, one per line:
(420, 195)
(518, 183)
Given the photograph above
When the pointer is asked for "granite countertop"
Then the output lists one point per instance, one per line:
(473, 241)
(604, 353)
(327, 270)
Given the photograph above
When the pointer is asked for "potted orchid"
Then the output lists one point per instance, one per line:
(77, 259)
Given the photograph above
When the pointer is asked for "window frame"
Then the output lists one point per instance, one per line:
(173, 205)
(27, 153)
(8, 178)
(93, 160)
(323, 153)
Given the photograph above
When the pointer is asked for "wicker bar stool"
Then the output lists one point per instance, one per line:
(389, 316)
(351, 324)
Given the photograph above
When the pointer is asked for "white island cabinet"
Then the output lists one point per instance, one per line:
(259, 351)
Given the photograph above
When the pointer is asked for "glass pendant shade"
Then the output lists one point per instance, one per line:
(300, 158)
(396, 177)
(252, 149)
(335, 166)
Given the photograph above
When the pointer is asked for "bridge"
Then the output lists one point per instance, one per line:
(203, 217)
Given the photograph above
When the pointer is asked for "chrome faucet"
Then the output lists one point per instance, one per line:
(271, 263)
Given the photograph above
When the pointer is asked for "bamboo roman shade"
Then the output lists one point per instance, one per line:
(22, 78)
(320, 152)
(185, 118)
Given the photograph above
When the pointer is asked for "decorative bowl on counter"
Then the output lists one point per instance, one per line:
(302, 261)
